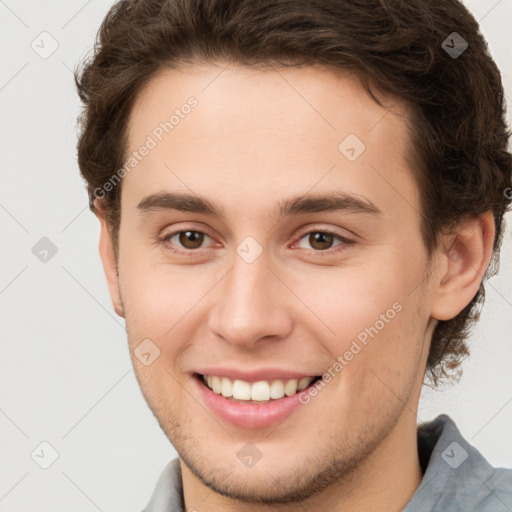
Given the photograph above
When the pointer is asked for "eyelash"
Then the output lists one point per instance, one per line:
(327, 252)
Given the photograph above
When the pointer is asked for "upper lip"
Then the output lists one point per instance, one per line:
(256, 374)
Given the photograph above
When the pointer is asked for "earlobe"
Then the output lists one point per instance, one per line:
(463, 261)
(108, 259)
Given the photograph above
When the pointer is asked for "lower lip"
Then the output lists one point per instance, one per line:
(248, 415)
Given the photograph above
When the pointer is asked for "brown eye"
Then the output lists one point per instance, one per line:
(184, 241)
(320, 240)
(190, 239)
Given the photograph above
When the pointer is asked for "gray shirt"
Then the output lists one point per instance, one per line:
(456, 477)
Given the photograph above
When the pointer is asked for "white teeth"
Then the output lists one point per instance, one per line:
(290, 388)
(304, 383)
(216, 384)
(241, 390)
(260, 391)
(226, 388)
(277, 389)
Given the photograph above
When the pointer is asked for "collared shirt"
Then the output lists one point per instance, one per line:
(456, 477)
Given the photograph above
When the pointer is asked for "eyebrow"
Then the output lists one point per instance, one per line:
(296, 205)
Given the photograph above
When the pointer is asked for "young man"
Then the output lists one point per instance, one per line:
(298, 204)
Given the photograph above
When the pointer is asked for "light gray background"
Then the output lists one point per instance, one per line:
(65, 368)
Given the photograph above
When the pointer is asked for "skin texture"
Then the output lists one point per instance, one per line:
(255, 138)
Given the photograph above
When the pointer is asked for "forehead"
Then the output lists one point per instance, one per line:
(282, 127)
(314, 100)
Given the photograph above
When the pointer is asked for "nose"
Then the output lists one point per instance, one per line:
(251, 304)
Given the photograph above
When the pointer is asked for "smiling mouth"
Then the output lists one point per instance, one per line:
(260, 392)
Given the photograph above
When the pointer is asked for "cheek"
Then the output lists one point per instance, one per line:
(156, 297)
(352, 299)
(370, 317)
(158, 307)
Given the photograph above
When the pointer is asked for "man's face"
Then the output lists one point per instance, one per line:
(259, 297)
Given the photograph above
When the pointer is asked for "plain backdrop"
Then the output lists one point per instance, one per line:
(65, 369)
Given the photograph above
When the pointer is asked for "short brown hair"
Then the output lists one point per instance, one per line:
(456, 102)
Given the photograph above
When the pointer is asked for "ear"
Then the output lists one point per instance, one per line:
(463, 258)
(108, 258)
